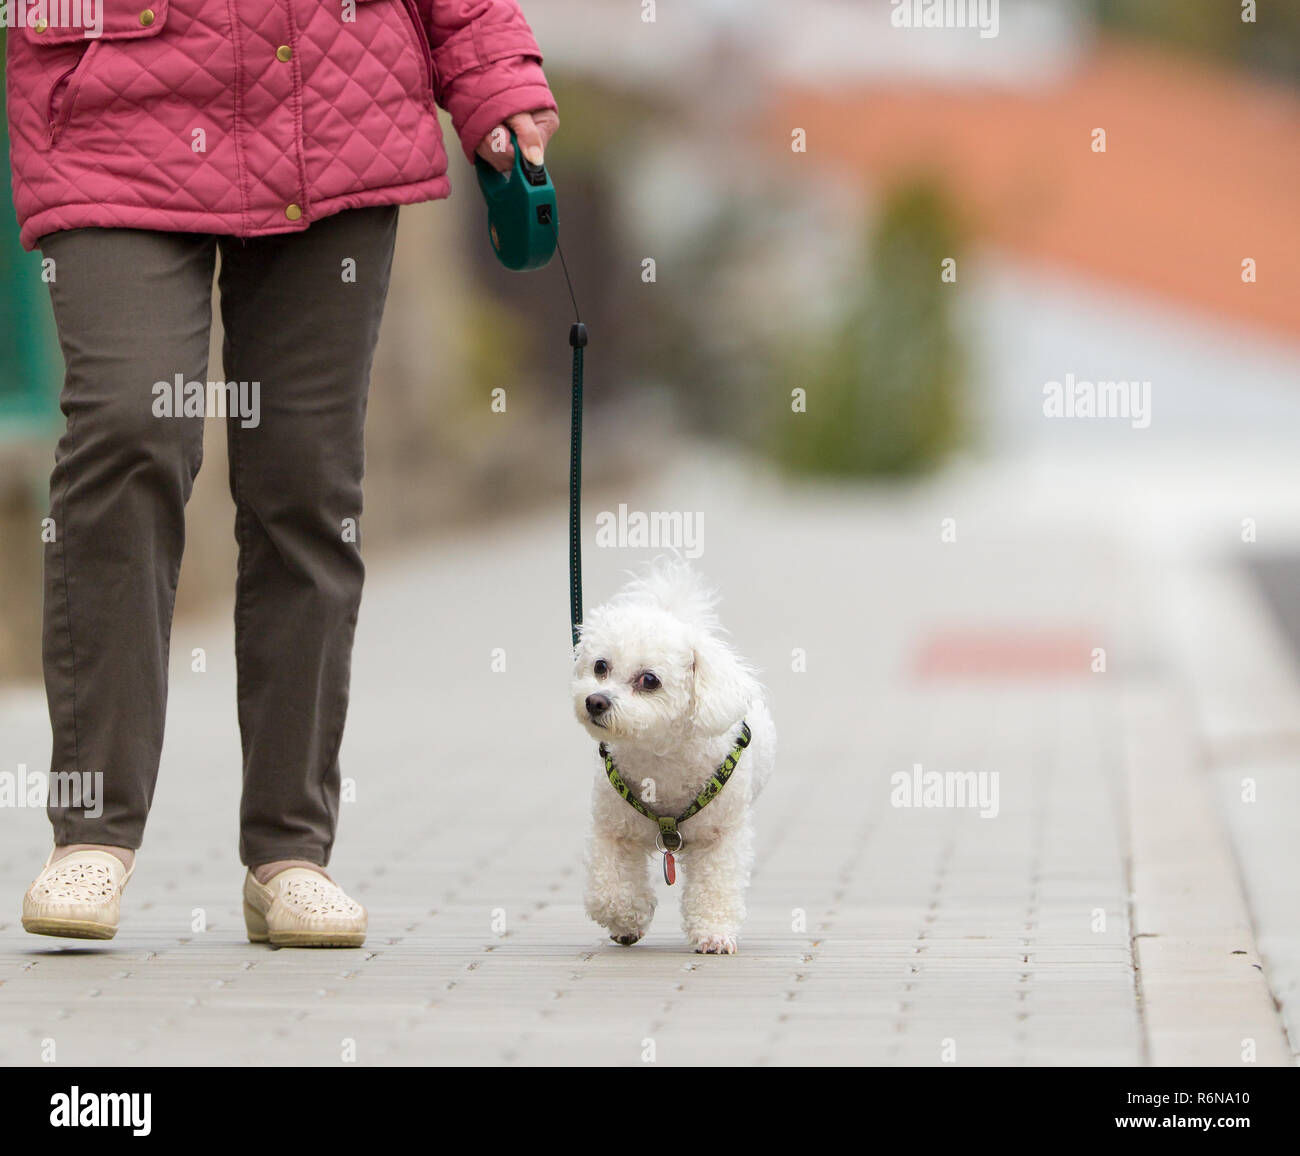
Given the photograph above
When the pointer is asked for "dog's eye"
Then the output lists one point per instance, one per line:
(601, 668)
(648, 681)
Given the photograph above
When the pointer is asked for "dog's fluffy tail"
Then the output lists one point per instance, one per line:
(672, 584)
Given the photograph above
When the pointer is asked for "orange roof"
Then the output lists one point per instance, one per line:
(1201, 170)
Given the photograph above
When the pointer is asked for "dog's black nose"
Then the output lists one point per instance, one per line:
(597, 705)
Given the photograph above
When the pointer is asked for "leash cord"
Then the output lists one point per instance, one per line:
(577, 339)
(577, 317)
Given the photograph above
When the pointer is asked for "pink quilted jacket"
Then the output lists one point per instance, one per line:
(249, 117)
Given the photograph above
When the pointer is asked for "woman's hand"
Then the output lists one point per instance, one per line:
(533, 129)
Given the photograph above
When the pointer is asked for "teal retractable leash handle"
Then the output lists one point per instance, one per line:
(523, 218)
(524, 228)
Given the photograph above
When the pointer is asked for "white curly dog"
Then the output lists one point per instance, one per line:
(670, 701)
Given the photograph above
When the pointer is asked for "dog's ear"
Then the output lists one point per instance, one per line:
(724, 687)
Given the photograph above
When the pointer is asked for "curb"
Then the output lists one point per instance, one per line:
(1205, 996)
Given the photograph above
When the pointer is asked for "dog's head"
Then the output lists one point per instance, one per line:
(652, 668)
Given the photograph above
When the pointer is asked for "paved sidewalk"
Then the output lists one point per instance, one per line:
(877, 935)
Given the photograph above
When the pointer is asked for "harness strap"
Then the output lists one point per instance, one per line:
(668, 831)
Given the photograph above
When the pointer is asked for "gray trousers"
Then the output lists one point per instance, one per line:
(133, 309)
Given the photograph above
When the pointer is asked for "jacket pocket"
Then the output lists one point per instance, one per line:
(67, 51)
(63, 94)
(119, 20)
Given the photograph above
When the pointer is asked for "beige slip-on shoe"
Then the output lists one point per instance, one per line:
(77, 897)
(301, 908)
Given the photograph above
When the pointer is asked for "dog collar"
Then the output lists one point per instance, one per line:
(670, 838)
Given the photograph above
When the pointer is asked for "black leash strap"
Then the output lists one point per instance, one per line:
(577, 339)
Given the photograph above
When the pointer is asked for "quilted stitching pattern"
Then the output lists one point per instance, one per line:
(193, 123)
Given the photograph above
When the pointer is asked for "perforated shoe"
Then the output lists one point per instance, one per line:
(302, 908)
(77, 897)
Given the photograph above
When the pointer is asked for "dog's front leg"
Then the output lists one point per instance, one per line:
(713, 898)
(619, 894)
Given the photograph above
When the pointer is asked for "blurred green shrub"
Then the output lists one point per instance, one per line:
(885, 386)
(1214, 28)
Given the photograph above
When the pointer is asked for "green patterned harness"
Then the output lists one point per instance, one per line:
(670, 838)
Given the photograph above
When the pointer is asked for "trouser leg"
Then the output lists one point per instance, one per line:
(133, 309)
(302, 314)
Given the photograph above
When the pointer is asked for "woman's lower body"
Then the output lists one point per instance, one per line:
(301, 314)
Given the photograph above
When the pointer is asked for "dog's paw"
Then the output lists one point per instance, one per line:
(716, 945)
(626, 940)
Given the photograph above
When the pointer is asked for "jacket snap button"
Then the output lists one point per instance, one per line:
(147, 17)
(40, 26)
(293, 212)
(283, 53)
